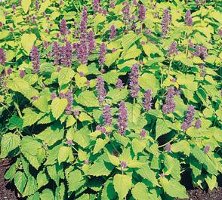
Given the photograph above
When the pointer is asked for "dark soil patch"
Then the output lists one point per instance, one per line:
(7, 191)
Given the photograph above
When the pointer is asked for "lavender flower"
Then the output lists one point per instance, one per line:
(123, 165)
(134, 86)
(56, 53)
(126, 12)
(220, 32)
(66, 54)
(91, 41)
(53, 96)
(201, 51)
(173, 49)
(119, 84)
(188, 18)
(22, 73)
(202, 70)
(147, 102)
(102, 53)
(143, 133)
(142, 12)
(63, 27)
(69, 97)
(82, 52)
(96, 5)
(37, 6)
(84, 20)
(189, 118)
(100, 88)
(198, 124)
(122, 118)
(107, 116)
(206, 149)
(35, 58)
(167, 147)
(2, 57)
(76, 113)
(166, 21)
(170, 104)
(112, 32)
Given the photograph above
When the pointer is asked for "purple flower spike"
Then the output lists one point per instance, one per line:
(206, 149)
(22, 73)
(123, 165)
(107, 116)
(119, 84)
(2, 57)
(91, 41)
(63, 27)
(166, 21)
(102, 54)
(126, 12)
(220, 32)
(35, 58)
(82, 52)
(143, 133)
(169, 105)
(167, 147)
(189, 118)
(188, 18)
(173, 49)
(201, 51)
(100, 88)
(56, 53)
(134, 86)
(84, 20)
(198, 124)
(142, 12)
(122, 118)
(112, 32)
(69, 96)
(147, 102)
(96, 5)
(66, 55)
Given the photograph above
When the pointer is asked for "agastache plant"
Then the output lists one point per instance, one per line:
(166, 21)
(147, 102)
(173, 49)
(142, 12)
(126, 11)
(189, 118)
(112, 32)
(66, 54)
(134, 85)
(102, 54)
(119, 84)
(188, 18)
(35, 58)
(56, 53)
(96, 5)
(107, 116)
(63, 27)
(201, 51)
(198, 124)
(91, 41)
(122, 118)
(2, 57)
(100, 88)
(169, 104)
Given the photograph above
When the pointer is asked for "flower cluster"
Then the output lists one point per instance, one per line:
(112, 32)
(102, 54)
(66, 54)
(188, 18)
(170, 104)
(126, 12)
(100, 88)
(173, 49)
(35, 58)
(69, 96)
(134, 85)
(63, 27)
(220, 32)
(91, 41)
(142, 12)
(143, 133)
(96, 5)
(56, 53)
(189, 118)
(119, 84)
(2, 57)
(107, 116)
(122, 118)
(166, 21)
(198, 123)
(147, 102)
(201, 51)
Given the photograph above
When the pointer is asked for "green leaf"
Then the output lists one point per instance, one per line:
(140, 191)
(161, 128)
(82, 137)
(152, 49)
(9, 142)
(15, 122)
(31, 186)
(47, 194)
(108, 191)
(30, 117)
(110, 58)
(20, 181)
(122, 184)
(27, 40)
(65, 154)
(26, 5)
(149, 81)
(58, 107)
(128, 40)
(100, 143)
(173, 188)
(79, 180)
(65, 75)
(88, 99)
(117, 94)
(42, 179)
(41, 103)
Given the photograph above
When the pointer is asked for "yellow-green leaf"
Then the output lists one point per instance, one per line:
(27, 41)
(26, 5)
(58, 107)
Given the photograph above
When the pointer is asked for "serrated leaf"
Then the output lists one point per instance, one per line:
(46, 194)
(65, 75)
(82, 137)
(26, 5)
(42, 179)
(122, 184)
(30, 117)
(79, 180)
(140, 191)
(65, 154)
(100, 143)
(20, 181)
(161, 128)
(88, 98)
(27, 40)
(58, 107)
(41, 103)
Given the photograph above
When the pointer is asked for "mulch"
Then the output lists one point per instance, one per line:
(7, 191)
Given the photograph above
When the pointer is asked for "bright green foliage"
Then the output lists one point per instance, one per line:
(52, 120)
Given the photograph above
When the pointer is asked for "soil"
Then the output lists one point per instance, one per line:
(7, 190)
